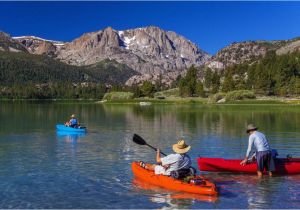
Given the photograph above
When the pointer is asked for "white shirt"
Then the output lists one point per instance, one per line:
(260, 142)
(176, 162)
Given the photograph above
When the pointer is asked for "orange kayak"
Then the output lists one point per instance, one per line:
(205, 188)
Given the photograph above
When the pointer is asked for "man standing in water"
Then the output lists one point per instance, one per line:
(263, 153)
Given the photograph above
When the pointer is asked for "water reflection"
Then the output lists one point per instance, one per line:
(259, 196)
(174, 200)
(229, 121)
(39, 166)
(69, 137)
(186, 120)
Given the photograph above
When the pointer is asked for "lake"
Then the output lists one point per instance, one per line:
(40, 168)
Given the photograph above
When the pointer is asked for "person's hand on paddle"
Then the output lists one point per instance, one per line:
(139, 140)
(244, 162)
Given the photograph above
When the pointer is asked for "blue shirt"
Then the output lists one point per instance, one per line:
(73, 121)
(259, 141)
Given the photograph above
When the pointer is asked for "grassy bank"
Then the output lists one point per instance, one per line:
(157, 101)
(168, 100)
(199, 100)
(172, 97)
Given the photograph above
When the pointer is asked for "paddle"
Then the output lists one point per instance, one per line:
(139, 140)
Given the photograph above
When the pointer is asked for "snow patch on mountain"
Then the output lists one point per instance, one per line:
(59, 43)
(128, 41)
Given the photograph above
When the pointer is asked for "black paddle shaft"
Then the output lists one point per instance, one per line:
(139, 140)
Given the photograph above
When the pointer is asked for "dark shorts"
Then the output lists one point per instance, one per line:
(265, 161)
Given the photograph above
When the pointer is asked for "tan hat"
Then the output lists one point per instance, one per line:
(181, 147)
(251, 127)
(73, 115)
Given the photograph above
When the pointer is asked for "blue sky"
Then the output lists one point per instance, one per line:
(211, 25)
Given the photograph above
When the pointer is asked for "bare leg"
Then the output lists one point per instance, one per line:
(259, 174)
(270, 173)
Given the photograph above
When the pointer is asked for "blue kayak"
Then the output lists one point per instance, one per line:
(61, 127)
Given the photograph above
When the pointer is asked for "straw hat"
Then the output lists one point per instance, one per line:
(73, 115)
(181, 147)
(251, 127)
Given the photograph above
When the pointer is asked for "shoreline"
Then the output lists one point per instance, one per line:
(264, 100)
(205, 101)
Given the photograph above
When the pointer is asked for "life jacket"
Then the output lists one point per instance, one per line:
(73, 122)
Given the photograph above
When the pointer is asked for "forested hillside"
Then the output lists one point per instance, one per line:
(21, 68)
(272, 75)
(24, 75)
(277, 75)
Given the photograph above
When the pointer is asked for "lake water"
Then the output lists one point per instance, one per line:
(42, 169)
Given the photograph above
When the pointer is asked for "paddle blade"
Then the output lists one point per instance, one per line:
(139, 140)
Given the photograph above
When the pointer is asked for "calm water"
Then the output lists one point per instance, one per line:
(42, 169)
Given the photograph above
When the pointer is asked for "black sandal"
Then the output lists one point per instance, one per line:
(142, 164)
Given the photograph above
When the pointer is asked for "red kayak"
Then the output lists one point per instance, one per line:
(283, 165)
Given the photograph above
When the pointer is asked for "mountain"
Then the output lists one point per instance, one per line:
(250, 51)
(9, 44)
(39, 46)
(29, 59)
(150, 51)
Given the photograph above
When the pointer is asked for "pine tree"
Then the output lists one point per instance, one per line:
(208, 78)
(147, 89)
(188, 84)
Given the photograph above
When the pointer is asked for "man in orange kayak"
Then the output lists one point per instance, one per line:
(172, 162)
(263, 153)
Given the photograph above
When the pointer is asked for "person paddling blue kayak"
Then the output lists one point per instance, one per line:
(73, 122)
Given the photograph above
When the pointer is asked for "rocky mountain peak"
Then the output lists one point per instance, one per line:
(149, 50)
(39, 46)
(7, 43)
(4, 35)
(250, 51)
(152, 52)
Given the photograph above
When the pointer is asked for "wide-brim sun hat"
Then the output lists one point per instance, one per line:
(181, 147)
(73, 115)
(251, 127)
